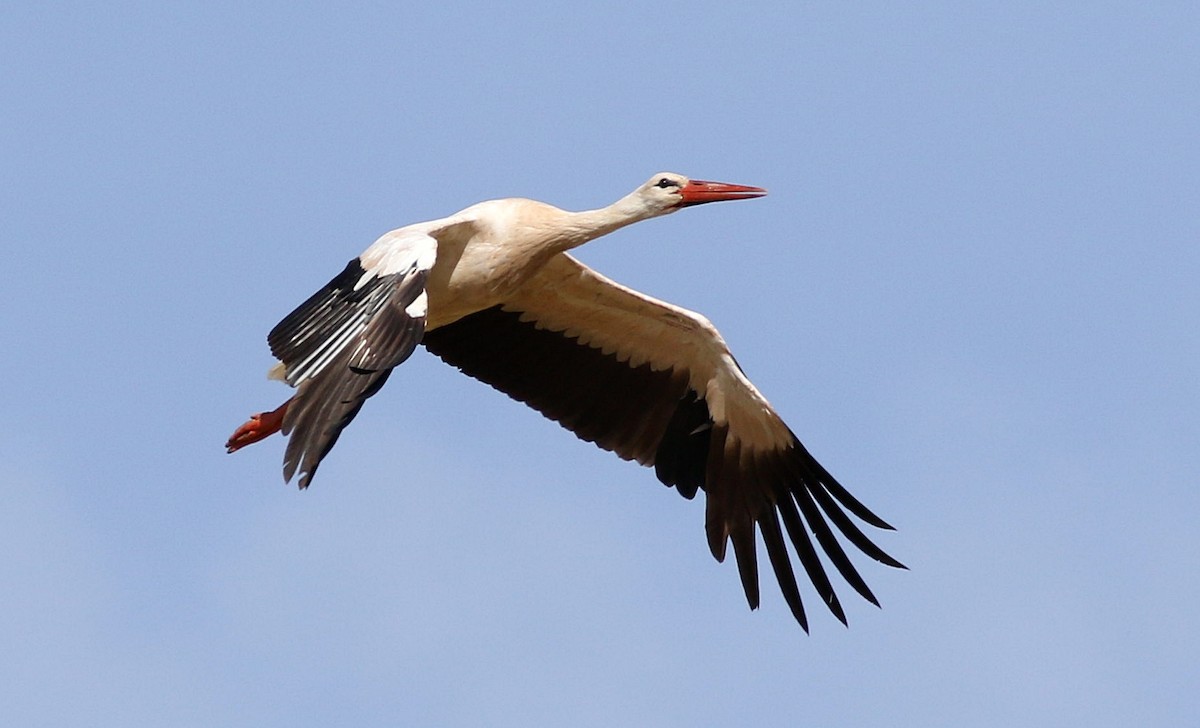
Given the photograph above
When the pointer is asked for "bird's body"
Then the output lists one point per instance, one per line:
(492, 291)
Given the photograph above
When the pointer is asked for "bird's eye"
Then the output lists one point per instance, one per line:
(666, 182)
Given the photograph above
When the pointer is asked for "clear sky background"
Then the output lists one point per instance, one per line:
(973, 292)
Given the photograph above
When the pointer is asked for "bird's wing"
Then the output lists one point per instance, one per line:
(339, 346)
(656, 383)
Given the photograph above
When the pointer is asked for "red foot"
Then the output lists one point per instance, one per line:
(259, 426)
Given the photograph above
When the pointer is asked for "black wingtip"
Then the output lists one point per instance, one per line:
(746, 556)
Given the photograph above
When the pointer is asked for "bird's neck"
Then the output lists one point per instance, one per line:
(580, 227)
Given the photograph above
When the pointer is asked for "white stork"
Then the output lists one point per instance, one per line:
(492, 291)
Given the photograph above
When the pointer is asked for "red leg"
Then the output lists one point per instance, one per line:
(259, 426)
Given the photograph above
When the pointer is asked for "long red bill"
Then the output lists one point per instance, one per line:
(697, 192)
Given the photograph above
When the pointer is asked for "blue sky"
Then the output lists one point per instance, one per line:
(972, 292)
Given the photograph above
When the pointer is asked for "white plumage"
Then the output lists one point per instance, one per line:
(492, 291)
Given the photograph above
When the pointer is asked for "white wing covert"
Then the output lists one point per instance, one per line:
(656, 383)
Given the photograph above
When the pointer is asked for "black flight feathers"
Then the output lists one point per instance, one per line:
(341, 344)
(339, 347)
(655, 418)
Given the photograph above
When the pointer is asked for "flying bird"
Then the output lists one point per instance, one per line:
(492, 291)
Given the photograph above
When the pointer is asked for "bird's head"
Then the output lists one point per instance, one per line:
(667, 192)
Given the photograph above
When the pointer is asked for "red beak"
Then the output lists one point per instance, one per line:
(697, 192)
